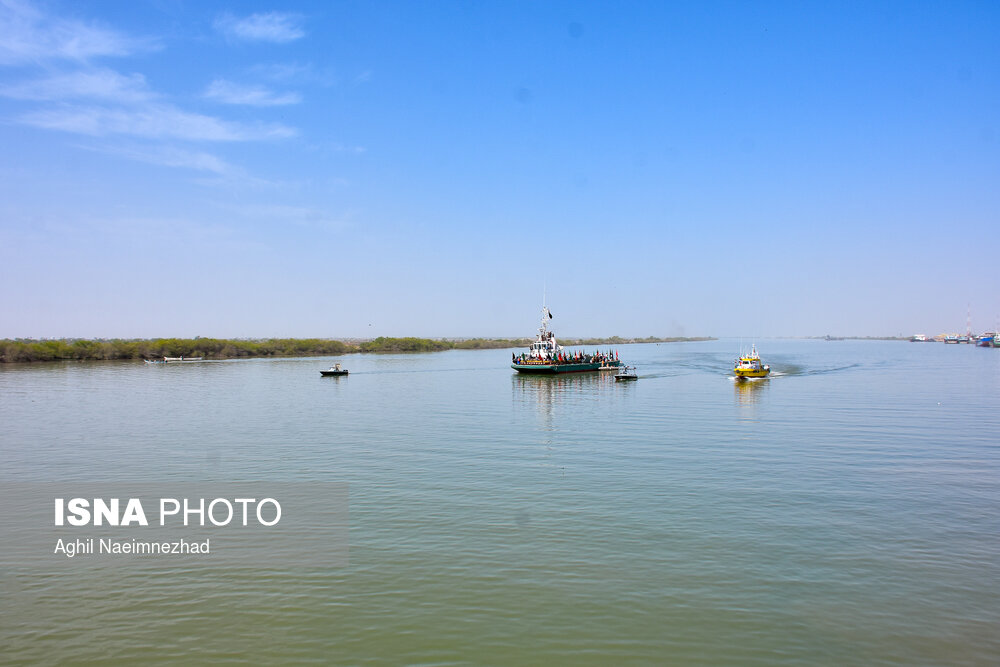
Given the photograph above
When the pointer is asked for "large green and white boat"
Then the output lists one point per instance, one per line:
(547, 357)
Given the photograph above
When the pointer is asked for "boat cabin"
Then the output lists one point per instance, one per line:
(748, 364)
(545, 346)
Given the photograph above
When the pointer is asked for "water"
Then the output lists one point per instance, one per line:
(844, 511)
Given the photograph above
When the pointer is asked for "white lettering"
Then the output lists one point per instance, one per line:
(277, 511)
(243, 502)
(163, 510)
(78, 508)
(211, 515)
(74, 547)
(102, 512)
(134, 513)
(200, 511)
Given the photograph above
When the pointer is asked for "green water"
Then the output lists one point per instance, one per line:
(844, 511)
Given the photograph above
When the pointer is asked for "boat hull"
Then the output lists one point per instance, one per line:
(740, 373)
(556, 369)
(332, 373)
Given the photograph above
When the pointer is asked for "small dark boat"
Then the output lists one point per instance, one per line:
(625, 374)
(334, 370)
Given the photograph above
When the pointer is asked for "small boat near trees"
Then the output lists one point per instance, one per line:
(750, 366)
(173, 360)
(334, 371)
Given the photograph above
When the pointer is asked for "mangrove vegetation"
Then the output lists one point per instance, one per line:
(73, 349)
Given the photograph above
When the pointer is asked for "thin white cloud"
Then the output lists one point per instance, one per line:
(240, 178)
(152, 122)
(293, 74)
(73, 95)
(282, 71)
(220, 172)
(168, 156)
(198, 160)
(302, 216)
(29, 36)
(229, 92)
(341, 148)
(277, 27)
(99, 84)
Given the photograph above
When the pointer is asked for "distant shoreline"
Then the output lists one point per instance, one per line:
(831, 338)
(23, 350)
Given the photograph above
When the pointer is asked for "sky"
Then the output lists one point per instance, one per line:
(362, 169)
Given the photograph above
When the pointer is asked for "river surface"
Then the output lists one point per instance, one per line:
(844, 511)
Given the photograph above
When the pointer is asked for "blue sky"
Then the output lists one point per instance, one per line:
(354, 169)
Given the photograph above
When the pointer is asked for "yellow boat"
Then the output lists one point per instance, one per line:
(749, 366)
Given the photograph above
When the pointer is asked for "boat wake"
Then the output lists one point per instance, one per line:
(653, 376)
(803, 371)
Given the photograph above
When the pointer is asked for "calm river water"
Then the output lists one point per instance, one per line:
(844, 511)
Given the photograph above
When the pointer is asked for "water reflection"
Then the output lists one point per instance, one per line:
(554, 388)
(549, 394)
(749, 392)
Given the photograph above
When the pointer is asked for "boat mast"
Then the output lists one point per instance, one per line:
(548, 349)
(546, 316)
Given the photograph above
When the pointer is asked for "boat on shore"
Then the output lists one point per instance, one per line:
(334, 371)
(546, 356)
(749, 366)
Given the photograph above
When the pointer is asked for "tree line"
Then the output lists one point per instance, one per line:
(29, 350)
(157, 348)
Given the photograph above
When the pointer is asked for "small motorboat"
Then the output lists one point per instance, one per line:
(625, 374)
(750, 366)
(334, 370)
